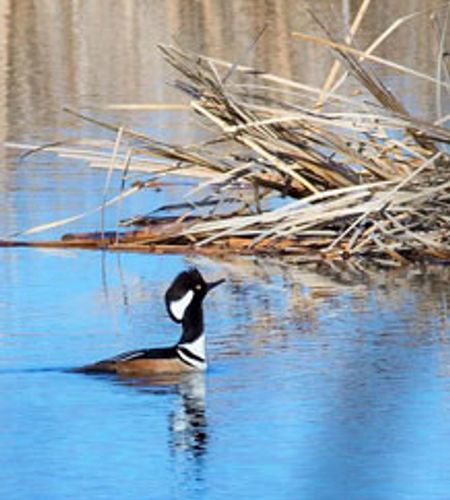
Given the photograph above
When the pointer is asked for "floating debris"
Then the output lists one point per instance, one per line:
(291, 169)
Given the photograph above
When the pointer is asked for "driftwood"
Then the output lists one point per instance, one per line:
(291, 169)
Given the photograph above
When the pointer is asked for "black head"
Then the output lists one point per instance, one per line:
(188, 288)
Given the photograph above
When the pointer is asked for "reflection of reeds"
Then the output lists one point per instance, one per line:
(299, 169)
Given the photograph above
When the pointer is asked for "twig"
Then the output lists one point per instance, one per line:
(382, 201)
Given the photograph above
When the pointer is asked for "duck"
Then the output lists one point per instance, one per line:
(184, 304)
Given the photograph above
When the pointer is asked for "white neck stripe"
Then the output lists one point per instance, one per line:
(195, 363)
(198, 349)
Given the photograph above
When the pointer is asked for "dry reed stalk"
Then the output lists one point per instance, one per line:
(336, 65)
(109, 176)
(385, 35)
(68, 220)
(147, 107)
(363, 55)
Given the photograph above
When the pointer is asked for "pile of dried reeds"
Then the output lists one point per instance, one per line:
(298, 169)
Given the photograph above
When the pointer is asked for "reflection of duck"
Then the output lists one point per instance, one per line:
(187, 422)
(184, 300)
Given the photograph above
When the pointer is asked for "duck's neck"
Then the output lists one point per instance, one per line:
(192, 325)
(192, 342)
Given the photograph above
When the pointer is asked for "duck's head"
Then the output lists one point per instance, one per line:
(187, 289)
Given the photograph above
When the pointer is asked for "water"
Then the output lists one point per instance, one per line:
(316, 388)
(324, 382)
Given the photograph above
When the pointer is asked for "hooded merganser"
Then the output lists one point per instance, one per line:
(183, 300)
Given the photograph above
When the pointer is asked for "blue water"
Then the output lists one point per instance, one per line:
(324, 383)
(317, 388)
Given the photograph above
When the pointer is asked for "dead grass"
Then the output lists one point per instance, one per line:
(292, 168)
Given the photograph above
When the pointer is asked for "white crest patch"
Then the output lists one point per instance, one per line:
(178, 307)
